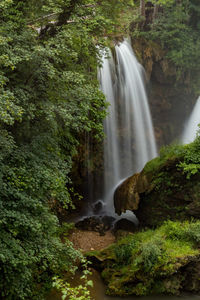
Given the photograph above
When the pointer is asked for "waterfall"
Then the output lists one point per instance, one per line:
(191, 126)
(107, 77)
(129, 137)
(135, 110)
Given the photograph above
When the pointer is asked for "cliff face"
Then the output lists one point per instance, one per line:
(171, 97)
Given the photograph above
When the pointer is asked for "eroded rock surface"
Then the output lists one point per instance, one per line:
(127, 195)
(160, 193)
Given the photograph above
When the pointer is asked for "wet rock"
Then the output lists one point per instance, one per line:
(96, 223)
(98, 206)
(108, 221)
(160, 192)
(127, 195)
(192, 277)
(125, 225)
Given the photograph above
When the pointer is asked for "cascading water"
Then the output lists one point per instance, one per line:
(107, 77)
(129, 141)
(139, 142)
(191, 126)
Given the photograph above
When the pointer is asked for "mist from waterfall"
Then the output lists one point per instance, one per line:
(191, 126)
(129, 137)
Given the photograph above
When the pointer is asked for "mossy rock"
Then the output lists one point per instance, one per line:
(165, 260)
(167, 188)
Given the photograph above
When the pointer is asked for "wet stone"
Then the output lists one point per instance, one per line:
(99, 224)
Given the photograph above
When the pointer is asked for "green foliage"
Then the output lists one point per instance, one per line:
(188, 232)
(155, 258)
(181, 40)
(79, 292)
(186, 156)
(65, 229)
(123, 253)
(191, 163)
(169, 152)
(176, 27)
(163, 2)
(49, 97)
(150, 255)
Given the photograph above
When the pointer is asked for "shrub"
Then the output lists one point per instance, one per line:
(150, 255)
(123, 253)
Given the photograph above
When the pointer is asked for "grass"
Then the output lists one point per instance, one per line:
(136, 263)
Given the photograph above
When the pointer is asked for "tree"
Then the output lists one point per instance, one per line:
(49, 96)
(142, 8)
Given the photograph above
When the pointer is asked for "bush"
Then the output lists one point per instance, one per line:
(193, 232)
(123, 253)
(150, 255)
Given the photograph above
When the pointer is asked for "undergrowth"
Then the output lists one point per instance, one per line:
(139, 261)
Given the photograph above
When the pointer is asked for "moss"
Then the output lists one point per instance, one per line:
(167, 188)
(168, 155)
(151, 261)
(175, 188)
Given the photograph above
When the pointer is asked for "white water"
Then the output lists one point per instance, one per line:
(130, 140)
(137, 117)
(107, 77)
(191, 126)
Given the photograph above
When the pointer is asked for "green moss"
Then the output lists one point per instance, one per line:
(150, 261)
(174, 188)
(187, 157)
(167, 154)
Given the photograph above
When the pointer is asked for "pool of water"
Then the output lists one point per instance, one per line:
(98, 292)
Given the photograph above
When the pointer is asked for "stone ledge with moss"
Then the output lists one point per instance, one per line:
(164, 260)
(167, 188)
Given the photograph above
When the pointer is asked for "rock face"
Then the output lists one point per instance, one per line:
(171, 98)
(127, 195)
(160, 193)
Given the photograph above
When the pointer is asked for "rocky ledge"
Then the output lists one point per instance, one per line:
(167, 188)
(165, 260)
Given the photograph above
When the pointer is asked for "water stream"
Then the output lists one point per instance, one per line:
(191, 125)
(128, 128)
(98, 292)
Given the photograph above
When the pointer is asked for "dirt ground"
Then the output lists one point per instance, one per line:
(90, 240)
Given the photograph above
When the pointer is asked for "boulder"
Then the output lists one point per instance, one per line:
(160, 192)
(125, 225)
(127, 195)
(96, 223)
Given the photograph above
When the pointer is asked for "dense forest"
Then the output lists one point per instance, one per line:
(50, 99)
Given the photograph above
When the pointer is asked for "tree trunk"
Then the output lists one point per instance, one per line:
(155, 11)
(142, 8)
